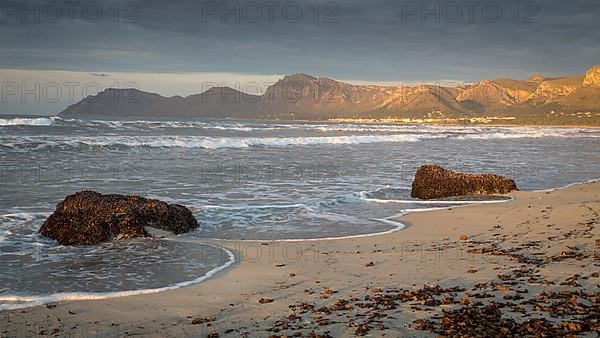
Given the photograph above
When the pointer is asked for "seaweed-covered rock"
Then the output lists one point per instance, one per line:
(88, 217)
(432, 181)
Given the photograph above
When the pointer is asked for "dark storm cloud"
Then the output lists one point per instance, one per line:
(363, 40)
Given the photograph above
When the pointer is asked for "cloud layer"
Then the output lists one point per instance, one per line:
(380, 40)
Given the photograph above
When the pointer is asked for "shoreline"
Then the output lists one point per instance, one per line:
(344, 266)
(566, 126)
(351, 121)
(82, 296)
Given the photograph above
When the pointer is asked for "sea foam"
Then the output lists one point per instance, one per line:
(20, 121)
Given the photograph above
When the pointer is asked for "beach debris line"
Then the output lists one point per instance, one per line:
(361, 315)
(481, 310)
(432, 181)
(88, 217)
(486, 320)
(524, 299)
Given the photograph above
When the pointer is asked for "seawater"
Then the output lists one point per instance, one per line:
(242, 180)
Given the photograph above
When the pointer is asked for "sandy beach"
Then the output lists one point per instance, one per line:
(534, 257)
(300, 169)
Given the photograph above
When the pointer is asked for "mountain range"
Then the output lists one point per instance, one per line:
(301, 96)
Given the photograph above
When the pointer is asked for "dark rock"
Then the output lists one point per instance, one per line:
(88, 217)
(432, 181)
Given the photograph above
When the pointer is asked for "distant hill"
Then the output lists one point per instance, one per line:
(301, 96)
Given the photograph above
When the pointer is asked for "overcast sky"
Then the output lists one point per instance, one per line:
(355, 40)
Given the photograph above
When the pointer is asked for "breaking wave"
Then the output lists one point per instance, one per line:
(22, 121)
(198, 141)
(216, 142)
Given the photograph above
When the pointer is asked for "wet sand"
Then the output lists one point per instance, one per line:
(529, 265)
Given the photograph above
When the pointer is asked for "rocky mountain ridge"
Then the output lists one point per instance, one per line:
(301, 96)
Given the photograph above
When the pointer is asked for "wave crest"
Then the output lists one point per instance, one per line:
(22, 121)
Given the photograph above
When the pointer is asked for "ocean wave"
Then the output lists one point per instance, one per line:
(41, 142)
(21, 121)
(457, 132)
(111, 142)
(244, 207)
(165, 124)
(399, 195)
(397, 226)
(237, 142)
(452, 202)
(527, 132)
